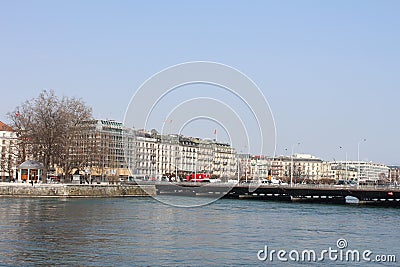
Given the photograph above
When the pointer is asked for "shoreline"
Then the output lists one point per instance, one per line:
(74, 190)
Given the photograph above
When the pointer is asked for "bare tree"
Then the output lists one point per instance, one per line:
(75, 113)
(45, 126)
(82, 149)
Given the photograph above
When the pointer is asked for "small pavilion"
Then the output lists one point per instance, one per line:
(30, 170)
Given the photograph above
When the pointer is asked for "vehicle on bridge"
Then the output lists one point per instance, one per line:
(345, 183)
(198, 177)
(272, 181)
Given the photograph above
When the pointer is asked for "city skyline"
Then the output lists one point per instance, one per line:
(328, 70)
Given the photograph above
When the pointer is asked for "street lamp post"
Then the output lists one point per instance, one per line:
(291, 165)
(346, 173)
(247, 166)
(359, 163)
(238, 168)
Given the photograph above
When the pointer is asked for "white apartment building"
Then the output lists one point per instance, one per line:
(243, 166)
(394, 174)
(301, 167)
(260, 167)
(305, 167)
(145, 153)
(364, 171)
(8, 152)
(205, 155)
(167, 152)
(327, 172)
(172, 155)
(225, 161)
(188, 155)
(342, 170)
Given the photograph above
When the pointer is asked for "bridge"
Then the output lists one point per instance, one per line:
(302, 193)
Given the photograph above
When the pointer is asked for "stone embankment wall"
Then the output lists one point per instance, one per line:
(64, 190)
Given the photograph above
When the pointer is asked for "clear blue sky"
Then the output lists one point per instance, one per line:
(329, 69)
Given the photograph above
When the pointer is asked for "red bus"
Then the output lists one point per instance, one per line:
(199, 177)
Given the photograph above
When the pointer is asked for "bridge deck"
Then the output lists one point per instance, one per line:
(334, 194)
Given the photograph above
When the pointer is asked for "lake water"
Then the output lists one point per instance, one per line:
(145, 232)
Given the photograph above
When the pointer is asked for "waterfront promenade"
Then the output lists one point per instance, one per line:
(74, 190)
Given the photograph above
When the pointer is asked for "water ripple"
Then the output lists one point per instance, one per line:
(144, 232)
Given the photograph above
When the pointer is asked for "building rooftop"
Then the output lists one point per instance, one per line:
(5, 127)
(31, 164)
